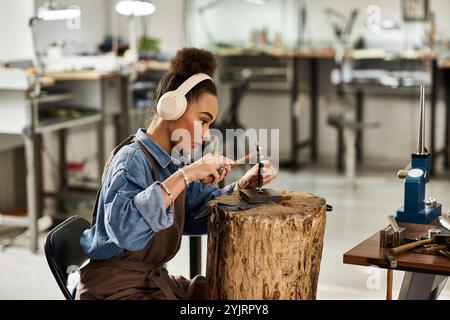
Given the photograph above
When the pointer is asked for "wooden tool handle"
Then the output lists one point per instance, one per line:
(243, 160)
(409, 246)
(390, 280)
(434, 249)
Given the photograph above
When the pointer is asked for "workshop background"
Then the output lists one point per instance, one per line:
(325, 73)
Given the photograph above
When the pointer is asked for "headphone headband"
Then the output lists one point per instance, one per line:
(191, 82)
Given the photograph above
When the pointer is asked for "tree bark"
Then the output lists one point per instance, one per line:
(272, 251)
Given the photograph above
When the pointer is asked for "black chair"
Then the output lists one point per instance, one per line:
(63, 252)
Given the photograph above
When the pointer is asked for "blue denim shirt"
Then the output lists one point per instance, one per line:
(131, 208)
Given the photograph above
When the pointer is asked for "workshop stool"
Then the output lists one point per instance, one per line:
(64, 254)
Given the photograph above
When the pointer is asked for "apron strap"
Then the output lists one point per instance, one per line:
(125, 142)
(148, 155)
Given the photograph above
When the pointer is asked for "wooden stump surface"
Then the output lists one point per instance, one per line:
(272, 251)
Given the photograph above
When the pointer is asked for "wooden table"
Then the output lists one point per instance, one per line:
(81, 75)
(426, 274)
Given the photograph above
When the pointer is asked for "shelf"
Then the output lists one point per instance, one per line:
(57, 97)
(14, 221)
(262, 86)
(54, 124)
(81, 75)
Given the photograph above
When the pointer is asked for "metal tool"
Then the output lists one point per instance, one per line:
(392, 235)
(417, 208)
(433, 232)
(443, 220)
(260, 195)
(260, 168)
(434, 248)
(392, 260)
(438, 239)
(341, 24)
(444, 253)
(393, 223)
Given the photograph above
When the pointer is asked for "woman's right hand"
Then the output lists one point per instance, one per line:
(207, 169)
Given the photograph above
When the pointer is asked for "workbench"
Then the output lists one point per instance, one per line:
(425, 275)
(376, 82)
(74, 80)
(313, 56)
(19, 116)
(435, 68)
(295, 56)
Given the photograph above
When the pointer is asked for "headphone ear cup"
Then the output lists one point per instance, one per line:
(181, 106)
(171, 106)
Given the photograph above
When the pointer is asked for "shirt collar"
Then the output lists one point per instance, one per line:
(161, 156)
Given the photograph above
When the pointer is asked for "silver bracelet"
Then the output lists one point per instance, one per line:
(169, 193)
(187, 181)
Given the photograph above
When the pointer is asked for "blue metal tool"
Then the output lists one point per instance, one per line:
(417, 208)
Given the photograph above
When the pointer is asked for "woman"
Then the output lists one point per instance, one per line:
(150, 197)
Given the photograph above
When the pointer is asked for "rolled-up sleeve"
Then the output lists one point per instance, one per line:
(134, 212)
(197, 196)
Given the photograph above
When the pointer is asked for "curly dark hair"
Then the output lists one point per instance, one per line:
(187, 62)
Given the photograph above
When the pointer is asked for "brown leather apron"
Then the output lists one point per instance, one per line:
(141, 274)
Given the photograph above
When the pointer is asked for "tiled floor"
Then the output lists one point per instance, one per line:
(357, 214)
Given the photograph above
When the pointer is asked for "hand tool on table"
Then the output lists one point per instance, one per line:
(417, 208)
(433, 238)
(433, 248)
(437, 246)
(392, 235)
(444, 253)
(260, 194)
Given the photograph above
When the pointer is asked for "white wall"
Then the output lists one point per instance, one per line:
(15, 35)
(233, 20)
(99, 19)
(86, 38)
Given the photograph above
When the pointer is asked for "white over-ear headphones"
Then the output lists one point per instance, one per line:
(173, 104)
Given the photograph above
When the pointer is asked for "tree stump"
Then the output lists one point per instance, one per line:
(272, 251)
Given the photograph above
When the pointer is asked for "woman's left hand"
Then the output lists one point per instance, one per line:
(223, 166)
(250, 178)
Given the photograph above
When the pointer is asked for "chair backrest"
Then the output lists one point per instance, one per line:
(63, 251)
